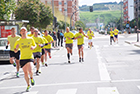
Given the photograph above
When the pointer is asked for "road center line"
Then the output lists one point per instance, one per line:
(104, 75)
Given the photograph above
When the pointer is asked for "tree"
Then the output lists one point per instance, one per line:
(80, 24)
(62, 24)
(36, 12)
(6, 9)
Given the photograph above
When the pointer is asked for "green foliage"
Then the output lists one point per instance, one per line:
(80, 24)
(102, 6)
(36, 12)
(6, 8)
(105, 16)
(62, 24)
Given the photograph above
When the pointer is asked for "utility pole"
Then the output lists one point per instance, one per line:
(65, 9)
(121, 17)
(53, 12)
(137, 20)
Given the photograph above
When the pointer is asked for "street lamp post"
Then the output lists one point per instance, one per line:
(137, 20)
(71, 18)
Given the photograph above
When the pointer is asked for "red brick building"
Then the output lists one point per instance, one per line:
(71, 6)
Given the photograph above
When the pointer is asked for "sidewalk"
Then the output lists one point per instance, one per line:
(9, 69)
(133, 43)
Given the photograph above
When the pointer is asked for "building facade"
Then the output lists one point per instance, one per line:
(137, 8)
(67, 7)
(128, 10)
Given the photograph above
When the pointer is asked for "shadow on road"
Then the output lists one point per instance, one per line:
(136, 52)
(65, 63)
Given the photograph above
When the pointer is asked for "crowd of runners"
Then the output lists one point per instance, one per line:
(33, 49)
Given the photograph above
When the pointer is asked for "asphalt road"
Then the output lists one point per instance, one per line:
(108, 69)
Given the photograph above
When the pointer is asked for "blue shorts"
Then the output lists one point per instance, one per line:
(116, 36)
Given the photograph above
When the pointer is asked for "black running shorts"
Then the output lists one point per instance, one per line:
(25, 61)
(69, 46)
(16, 55)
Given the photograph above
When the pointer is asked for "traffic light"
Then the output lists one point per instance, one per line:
(91, 8)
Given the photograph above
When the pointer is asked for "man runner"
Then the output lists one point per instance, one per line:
(11, 40)
(111, 36)
(90, 34)
(116, 31)
(47, 47)
(69, 42)
(26, 45)
(32, 32)
(80, 42)
(37, 51)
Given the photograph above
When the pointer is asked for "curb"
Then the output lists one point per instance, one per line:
(128, 42)
(138, 45)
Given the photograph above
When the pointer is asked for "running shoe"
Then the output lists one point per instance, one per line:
(37, 73)
(17, 74)
(50, 57)
(28, 89)
(46, 64)
(82, 60)
(79, 59)
(32, 82)
(68, 61)
(14, 64)
(40, 71)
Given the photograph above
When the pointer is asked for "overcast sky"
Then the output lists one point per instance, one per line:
(91, 2)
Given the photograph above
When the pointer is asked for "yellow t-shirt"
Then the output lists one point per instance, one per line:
(111, 33)
(12, 41)
(68, 35)
(49, 39)
(38, 40)
(30, 35)
(25, 47)
(90, 35)
(116, 31)
(80, 41)
(91, 32)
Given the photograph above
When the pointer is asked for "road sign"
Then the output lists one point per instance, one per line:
(127, 25)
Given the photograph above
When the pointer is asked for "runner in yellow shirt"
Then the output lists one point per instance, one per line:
(116, 31)
(47, 47)
(32, 32)
(111, 36)
(90, 34)
(80, 42)
(14, 57)
(69, 42)
(26, 45)
(37, 51)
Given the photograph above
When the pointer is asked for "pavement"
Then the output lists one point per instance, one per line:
(9, 69)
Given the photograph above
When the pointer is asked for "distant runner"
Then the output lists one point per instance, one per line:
(90, 35)
(116, 31)
(69, 42)
(80, 43)
(111, 36)
(47, 47)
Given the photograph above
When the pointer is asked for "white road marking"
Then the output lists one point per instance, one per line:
(107, 90)
(104, 75)
(75, 83)
(106, 45)
(138, 87)
(33, 92)
(67, 91)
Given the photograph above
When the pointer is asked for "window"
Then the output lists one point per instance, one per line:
(60, 3)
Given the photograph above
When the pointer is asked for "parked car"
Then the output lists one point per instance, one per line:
(4, 53)
(74, 32)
